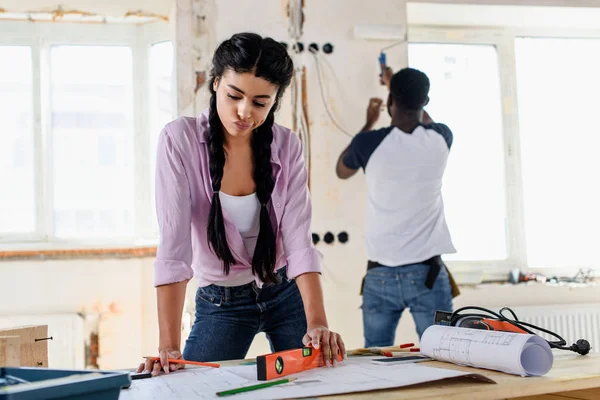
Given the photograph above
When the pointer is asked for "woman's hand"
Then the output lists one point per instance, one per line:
(329, 342)
(155, 366)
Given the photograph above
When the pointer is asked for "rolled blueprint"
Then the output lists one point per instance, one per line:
(513, 353)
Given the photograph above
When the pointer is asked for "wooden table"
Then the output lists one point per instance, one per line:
(572, 377)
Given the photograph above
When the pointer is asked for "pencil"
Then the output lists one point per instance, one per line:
(176, 361)
(255, 387)
(413, 350)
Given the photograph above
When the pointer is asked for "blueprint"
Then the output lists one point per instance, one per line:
(353, 375)
(514, 353)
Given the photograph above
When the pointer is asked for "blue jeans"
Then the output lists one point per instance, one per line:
(389, 290)
(228, 318)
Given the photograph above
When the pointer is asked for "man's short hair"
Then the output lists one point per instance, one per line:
(410, 88)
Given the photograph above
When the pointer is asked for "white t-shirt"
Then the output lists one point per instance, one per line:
(244, 212)
(405, 213)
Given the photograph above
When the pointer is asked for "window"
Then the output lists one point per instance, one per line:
(79, 106)
(558, 82)
(465, 95)
(161, 103)
(92, 141)
(17, 166)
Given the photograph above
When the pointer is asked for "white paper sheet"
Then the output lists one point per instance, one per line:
(350, 376)
(514, 353)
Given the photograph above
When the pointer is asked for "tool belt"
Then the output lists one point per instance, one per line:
(435, 264)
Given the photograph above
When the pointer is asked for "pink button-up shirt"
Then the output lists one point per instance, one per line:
(183, 199)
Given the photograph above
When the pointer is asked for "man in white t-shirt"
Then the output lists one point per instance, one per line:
(406, 227)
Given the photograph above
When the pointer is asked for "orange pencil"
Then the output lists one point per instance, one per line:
(413, 350)
(176, 361)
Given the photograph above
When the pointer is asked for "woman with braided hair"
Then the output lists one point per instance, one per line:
(234, 211)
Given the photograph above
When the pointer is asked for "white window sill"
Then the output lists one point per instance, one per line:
(486, 272)
(42, 250)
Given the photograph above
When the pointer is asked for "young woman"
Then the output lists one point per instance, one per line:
(234, 211)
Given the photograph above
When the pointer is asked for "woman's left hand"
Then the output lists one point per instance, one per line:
(329, 342)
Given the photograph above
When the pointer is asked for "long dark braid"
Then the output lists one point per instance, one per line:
(216, 224)
(263, 261)
(267, 59)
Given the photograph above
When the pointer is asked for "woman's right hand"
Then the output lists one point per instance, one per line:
(155, 366)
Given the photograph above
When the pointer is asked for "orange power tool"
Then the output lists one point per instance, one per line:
(282, 363)
(475, 322)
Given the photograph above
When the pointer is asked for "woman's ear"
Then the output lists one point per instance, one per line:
(215, 84)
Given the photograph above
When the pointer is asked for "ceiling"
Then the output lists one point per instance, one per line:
(111, 8)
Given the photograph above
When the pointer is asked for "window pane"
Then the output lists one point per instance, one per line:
(17, 166)
(161, 103)
(92, 141)
(558, 82)
(465, 95)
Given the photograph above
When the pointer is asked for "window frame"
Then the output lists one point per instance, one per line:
(503, 38)
(40, 37)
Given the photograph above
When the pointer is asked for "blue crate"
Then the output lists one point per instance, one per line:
(45, 384)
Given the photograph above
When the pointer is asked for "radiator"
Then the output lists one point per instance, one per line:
(571, 321)
(66, 350)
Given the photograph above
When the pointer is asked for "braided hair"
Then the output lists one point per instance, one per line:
(267, 59)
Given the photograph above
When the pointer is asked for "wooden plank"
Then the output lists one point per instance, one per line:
(544, 397)
(586, 394)
(10, 351)
(34, 353)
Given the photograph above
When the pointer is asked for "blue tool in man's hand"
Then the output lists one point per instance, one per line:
(382, 63)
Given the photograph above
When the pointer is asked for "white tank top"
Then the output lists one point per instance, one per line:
(244, 212)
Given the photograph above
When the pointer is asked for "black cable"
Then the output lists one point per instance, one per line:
(323, 97)
(515, 322)
(582, 346)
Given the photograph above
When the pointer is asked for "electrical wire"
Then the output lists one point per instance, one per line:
(582, 346)
(301, 125)
(321, 87)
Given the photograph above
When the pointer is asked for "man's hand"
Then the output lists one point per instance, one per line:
(386, 77)
(373, 112)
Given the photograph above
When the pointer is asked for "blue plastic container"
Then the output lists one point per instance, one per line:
(46, 384)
